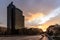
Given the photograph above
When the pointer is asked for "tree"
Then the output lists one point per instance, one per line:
(50, 30)
(53, 30)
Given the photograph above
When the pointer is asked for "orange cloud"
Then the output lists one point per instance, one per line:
(34, 16)
(31, 18)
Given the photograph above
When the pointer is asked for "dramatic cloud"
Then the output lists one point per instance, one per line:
(39, 18)
(34, 19)
(50, 15)
(32, 8)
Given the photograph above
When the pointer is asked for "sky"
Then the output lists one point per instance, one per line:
(38, 13)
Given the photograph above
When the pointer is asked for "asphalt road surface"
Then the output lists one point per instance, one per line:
(38, 37)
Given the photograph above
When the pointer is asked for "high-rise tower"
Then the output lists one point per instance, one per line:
(11, 17)
(15, 19)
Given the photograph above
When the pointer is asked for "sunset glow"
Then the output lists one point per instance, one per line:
(38, 20)
(42, 27)
(34, 20)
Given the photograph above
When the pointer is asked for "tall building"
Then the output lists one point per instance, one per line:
(10, 18)
(15, 19)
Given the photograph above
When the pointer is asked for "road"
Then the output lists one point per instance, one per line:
(23, 38)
